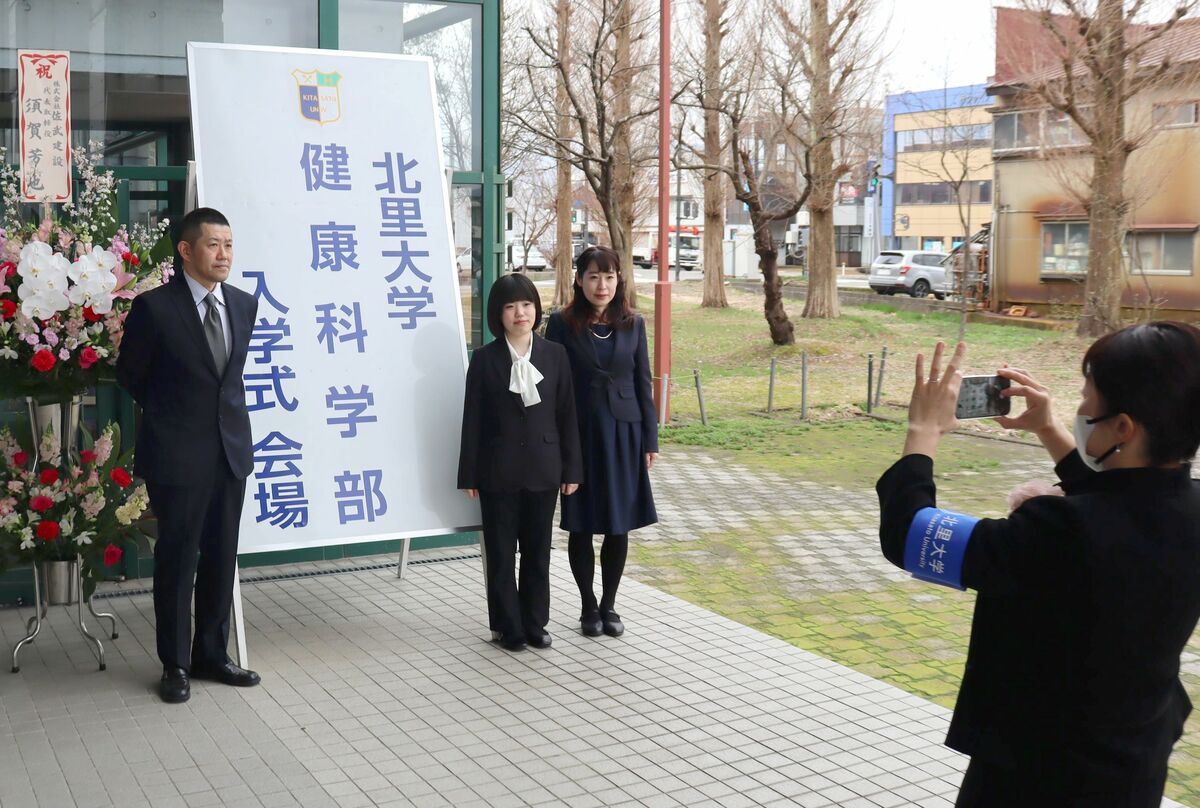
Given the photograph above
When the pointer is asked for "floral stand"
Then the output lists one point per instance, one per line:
(60, 583)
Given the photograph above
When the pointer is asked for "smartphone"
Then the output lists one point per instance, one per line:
(979, 397)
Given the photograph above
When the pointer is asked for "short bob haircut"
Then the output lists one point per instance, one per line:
(509, 289)
(1151, 373)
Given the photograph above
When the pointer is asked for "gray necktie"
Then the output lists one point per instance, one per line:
(215, 334)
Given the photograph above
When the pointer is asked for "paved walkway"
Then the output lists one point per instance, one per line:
(384, 692)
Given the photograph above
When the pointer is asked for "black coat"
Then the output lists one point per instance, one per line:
(626, 384)
(189, 413)
(1085, 603)
(508, 447)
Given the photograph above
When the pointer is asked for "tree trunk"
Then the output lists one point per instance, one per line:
(623, 190)
(782, 331)
(714, 181)
(563, 277)
(822, 299)
(1106, 216)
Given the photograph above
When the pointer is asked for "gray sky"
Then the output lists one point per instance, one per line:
(937, 43)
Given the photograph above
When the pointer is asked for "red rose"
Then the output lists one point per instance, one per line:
(112, 554)
(43, 360)
(49, 476)
(87, 456)
(8, 268)
(8, 309)
(20, 458)
(88, 357)
(91, 316)
(133, 259)
(41, 504)
(121, 477)
(125, 256)
(48, 530)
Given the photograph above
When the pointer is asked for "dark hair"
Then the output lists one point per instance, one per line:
(190, 226)
(578, 313)
(509, 289)
(1151, 373)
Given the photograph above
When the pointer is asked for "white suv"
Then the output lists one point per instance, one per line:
(917, 272)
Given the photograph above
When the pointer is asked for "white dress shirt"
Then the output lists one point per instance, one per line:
(198, 294)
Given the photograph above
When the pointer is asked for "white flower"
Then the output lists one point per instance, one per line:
(44, 283)
(27, 538)
(84, 538)
(94, 280)
(67, 523)
(7, 353)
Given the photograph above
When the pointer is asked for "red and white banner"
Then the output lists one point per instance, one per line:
(44, 99)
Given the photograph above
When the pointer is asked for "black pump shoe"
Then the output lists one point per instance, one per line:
(590, 624)
(612, 624)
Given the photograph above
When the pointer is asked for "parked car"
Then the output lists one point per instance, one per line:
(917, 272)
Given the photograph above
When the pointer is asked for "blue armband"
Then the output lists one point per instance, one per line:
(936, 546)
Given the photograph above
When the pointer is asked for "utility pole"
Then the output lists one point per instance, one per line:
(662, 287)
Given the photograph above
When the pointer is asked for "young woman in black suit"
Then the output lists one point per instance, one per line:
(520, 448)
(606, 343)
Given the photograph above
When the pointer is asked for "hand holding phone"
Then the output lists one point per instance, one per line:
(979, 397)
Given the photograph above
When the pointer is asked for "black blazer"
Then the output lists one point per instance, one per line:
(508, 447)
(1085, 603)
(189, 413)
(625, 385)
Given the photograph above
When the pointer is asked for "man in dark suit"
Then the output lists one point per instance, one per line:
(181, 358)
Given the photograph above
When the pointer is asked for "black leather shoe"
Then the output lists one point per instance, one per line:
(612, 624)
(590, 624)
(227, 674)
(540, 641)
(174, 687)
(513, 645)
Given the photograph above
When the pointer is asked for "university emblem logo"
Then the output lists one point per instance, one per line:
(320, 100)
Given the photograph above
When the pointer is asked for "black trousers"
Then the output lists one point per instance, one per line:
(986, 785)
(524, 521)
(196, 549)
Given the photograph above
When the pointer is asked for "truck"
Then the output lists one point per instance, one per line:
(686, 244)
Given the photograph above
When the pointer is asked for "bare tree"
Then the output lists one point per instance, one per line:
(608, 103)
(837, 55)
(563, 253)
(716, 27)
(534, 209)
(1101, 58)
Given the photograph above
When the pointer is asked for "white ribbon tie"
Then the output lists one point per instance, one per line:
(524, 376)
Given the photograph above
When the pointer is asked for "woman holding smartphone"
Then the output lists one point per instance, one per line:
(606, 343)
(520, 449)
(1071, 693)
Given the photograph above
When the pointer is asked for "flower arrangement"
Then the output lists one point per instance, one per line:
(60, 508)
(67, 282)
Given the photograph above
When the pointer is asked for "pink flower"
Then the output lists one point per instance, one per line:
(50, 337)
(64, 354)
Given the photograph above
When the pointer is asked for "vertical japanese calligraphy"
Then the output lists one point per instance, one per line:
(44, 102)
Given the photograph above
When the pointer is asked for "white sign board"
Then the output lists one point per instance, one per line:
(328, 165)
(44, 100)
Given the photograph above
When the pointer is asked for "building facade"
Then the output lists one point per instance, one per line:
(1042, 167)
(936, 154)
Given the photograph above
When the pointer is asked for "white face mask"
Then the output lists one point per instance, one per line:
(1083, 430)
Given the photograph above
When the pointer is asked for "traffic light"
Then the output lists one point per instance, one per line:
(574, 217)
(872, 177)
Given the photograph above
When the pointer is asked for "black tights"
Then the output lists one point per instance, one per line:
(583, 566)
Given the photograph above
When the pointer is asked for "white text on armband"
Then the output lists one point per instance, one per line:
(936, 545)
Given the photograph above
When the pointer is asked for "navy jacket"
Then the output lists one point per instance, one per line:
(1084, 605)
(626, 384)
(508, 447)
(190, 415)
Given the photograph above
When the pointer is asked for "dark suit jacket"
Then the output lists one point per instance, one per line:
(625, 385)
(508, 447)
(189, 413)
(1085, 603)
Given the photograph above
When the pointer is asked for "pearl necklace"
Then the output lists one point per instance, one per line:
(597, 336)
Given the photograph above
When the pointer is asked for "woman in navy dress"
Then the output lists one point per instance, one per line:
(606, 345)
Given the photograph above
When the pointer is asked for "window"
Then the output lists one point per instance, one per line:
(1176, 114)
(1061, 130)
(1016, 130)
(977, 192)
(938, 138)
(1160, 253)
(929, 243)
(889, 258)
(1064, 248)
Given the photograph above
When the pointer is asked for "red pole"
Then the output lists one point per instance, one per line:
(662, 287)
